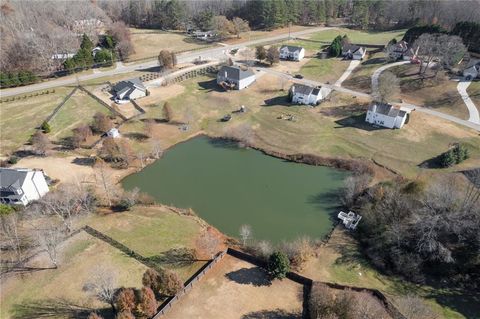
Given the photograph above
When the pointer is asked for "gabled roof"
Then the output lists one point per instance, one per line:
(305, 89)
(13, 178)
(350, 47)
(235, 72)
(128, 85)
(387, 110)
(291, 48)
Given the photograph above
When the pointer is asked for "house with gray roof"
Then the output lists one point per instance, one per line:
(20, 186)
(353, 52)
(386, 115)
(472, 70)
(290, 52)
(129, 89)
(235, 77)
(304, 94)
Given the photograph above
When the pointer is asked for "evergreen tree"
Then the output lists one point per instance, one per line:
(360, 14)
(86, 44)
(175, 13)
(470, 34)
(4, 80)
(278, 265)
(336, 47)
(448, 158)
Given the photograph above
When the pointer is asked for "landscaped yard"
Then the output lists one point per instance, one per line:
(79, 109)
(148, 43)
(324, 70)
(19, 118)
(153, 232)
(440, 94)
(237, 289)
(340, 261)
(58, 293)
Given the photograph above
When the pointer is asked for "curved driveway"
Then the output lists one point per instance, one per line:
(379, 71)
(472, 109)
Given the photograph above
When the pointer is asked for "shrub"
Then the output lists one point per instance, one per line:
(13, 160)
(163, 282)
(46, 127)
(125, 300)
(278, 265)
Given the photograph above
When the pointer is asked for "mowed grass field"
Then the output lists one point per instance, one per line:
(357, 36)
(19, 118)
(79, 109)
(58, 293)
(341, 261)
(152, 232)
(361, 77)
(148, 43)
(334, 129)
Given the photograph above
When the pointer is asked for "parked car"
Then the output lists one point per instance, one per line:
(118, 101)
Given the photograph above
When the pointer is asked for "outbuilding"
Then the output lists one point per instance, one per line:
(21, 186)
(472, 71)
(113, 132)
(290, 52)
(235, 77)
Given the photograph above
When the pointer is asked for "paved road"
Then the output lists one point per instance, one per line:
(411, 107)
(472, 109)
(206, 54)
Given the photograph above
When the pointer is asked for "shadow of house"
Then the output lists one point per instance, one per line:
(210, 86)
(278, 100)
(358, 121)
(54, 308)
(272, 314)
(250, 276)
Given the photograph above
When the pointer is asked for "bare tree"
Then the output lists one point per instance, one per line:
(245, 233)
(413, 307)
(208, 242)
(353, 186)
(167, 112)
(9, 225)
(273, 55)
(264, 249)
(388, 87)
(103, 284)
(167, 59)
(239, 26)
(102, 174)
(49, 239)
(156, 149)
(40, 143)
(101, 123)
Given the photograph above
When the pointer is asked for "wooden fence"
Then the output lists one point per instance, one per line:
(168, 304)
(59, 106)
(189, 74)
(99, 100)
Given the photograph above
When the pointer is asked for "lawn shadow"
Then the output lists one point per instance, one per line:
(466, 302)
(136, 136)
(272, 314)
(54, 308)
(84, 161)
(374, 61)
(176, 257)
(210, 86)
(432, 163)
(278, 100)
(255, 276)
(357, 121)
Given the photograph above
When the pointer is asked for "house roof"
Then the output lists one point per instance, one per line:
(387, 110)
(291, 48)
(13, 178)
(235, 72)
(305, 89)
(350, 47)
(128, 85)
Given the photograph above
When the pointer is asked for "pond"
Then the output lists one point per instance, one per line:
(229, 186)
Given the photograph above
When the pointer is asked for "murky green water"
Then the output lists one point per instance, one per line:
(229, 186)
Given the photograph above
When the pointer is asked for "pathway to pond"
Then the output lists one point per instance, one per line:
(229, 186)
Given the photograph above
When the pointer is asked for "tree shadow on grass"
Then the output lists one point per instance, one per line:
(374, 61)
(54, 308)
(272, 314)
(357, 121)
(177, 257)
(136, 136)
(255, 276)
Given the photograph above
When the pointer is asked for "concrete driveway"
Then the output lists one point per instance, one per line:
(472, 108)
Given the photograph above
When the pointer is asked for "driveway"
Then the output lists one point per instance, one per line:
(472, 109)
(376, 74)
(347, 72)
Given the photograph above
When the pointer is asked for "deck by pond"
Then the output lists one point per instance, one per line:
(230, 186)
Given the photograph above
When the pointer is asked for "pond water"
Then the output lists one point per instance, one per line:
(230, 186)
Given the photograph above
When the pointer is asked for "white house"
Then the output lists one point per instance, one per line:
(129, 89)
(304, 94)
(353, 52)
(21, 186)
(235, 77)
(386, 115)
(113, 132)
(289, 52)
(472, 71)
(350, 220)
(203, 35)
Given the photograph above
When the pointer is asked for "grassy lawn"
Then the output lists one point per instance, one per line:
(147, 42)
(324, 70)
(340, 261)
(152, 232)
(361, 77)
(440, 94)
(58, 293)
(474, 93)
(19, 118)
(357, 36)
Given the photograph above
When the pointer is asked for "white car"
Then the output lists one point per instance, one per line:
(118, 101)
